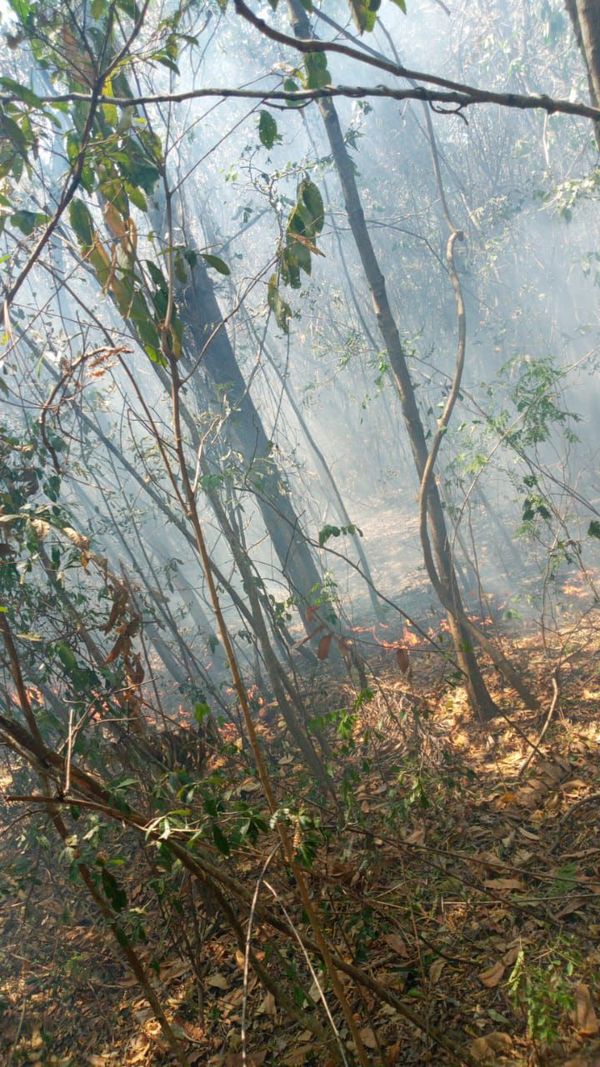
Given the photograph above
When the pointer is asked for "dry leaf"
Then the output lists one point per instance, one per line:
(268, 1006)
(586, 1019)
(299, 1055)
(402, 659)
(218, 981)
(253, 1059)
(397, 944)
(493, 975)
(324, 646)
(368, 1037)
(79, 540)
(486, 1049)
(435, 970)
(503, 885)
(392, 1054)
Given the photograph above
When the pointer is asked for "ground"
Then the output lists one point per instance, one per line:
(466, 883)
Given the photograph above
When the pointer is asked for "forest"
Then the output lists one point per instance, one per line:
(299, 533)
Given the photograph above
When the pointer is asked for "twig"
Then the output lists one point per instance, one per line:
(551, 710)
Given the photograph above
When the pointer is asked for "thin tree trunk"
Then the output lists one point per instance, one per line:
(479, 697)
(585, 19)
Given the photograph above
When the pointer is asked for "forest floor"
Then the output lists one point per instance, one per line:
(463, 882)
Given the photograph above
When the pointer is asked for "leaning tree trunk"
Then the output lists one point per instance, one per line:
(479, 697)
(209, 345)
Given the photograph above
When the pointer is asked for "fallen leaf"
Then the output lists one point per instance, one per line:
(218, 981)
(268, 1006)
(486, 1049)
(586, 1019)
(299, 1055)
(435, 970)
(503, 885)
(493, 975)
(397, 944)
(368, 1037)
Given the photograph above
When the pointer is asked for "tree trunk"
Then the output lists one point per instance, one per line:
(585, 19)
(479, 697)
(209, 345)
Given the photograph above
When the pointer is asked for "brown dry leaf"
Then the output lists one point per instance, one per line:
(417, 837)
(392, 1054)
(435, 970)
(572, 905)
(298, 1055)
(140, 1055)
(510, 955)
(586, 1019)
(218, 981)
(397, 944)
(503, 885)
(324, 646)
(368, 1037)
(493, 975)
(268, 1006)
(486, 1049)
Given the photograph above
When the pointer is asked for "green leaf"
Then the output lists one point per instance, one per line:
(280, 308)
(22, 92)
(66, 656)
(81, 221)
(220, 840)
(327, 532)
(290, 86)
(401, 4)
(201, 712)
(364, 13)
(314, 203)
(157, 275)
(114, 892)
(594, 529)
(216, 262)
(27, 221)
(13, 132)
(136, 196)
(267, 130)
(317, 74)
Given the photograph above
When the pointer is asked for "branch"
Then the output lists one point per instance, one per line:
(461, 97)
(307, 45)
